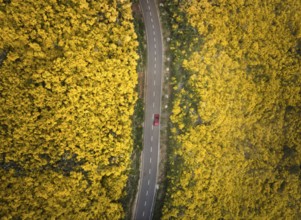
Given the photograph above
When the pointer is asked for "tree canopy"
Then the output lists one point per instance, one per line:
(236, 114)
(67, 95)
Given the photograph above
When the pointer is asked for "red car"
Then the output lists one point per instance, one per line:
(156, 119)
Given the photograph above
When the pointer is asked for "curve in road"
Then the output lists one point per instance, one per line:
(153, 91)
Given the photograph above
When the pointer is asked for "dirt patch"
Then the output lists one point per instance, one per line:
(140, 84)
(136, 10)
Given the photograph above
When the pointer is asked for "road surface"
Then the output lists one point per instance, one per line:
(153, 90)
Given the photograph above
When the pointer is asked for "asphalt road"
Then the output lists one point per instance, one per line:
(153, 90)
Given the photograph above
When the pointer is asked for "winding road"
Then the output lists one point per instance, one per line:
(153, 90)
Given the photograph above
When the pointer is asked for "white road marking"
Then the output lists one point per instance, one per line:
(148, 182)
(150, 13)
(150, 160)
(145, 203)
(153, 105)
(147, 192)
(154, 39)
(155, 58)
(154, 33)
(154, 93)
(155, 52)
(153, 26)
(152, 138)
(155, 46)
(151, 149)
(149, 171)
(148, 7)
(155, 72)
(143, 214)
(154, 82)
(152, 20)
(155, 65)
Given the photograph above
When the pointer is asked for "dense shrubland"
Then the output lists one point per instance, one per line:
(67, 95)
(236, 119)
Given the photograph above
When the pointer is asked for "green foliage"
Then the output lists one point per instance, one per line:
(138, 117)
(67, 96)
(236, 115)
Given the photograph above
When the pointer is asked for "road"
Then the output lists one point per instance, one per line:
(153, 91)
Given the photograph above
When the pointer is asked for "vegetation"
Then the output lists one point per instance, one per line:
(236, 110)
(132, 183)
(67, 95)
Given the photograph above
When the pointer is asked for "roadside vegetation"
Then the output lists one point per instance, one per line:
(130, 191)
(235, 146)
(67, 97)
(175, 40)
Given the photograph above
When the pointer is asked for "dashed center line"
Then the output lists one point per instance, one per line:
(145, 212)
